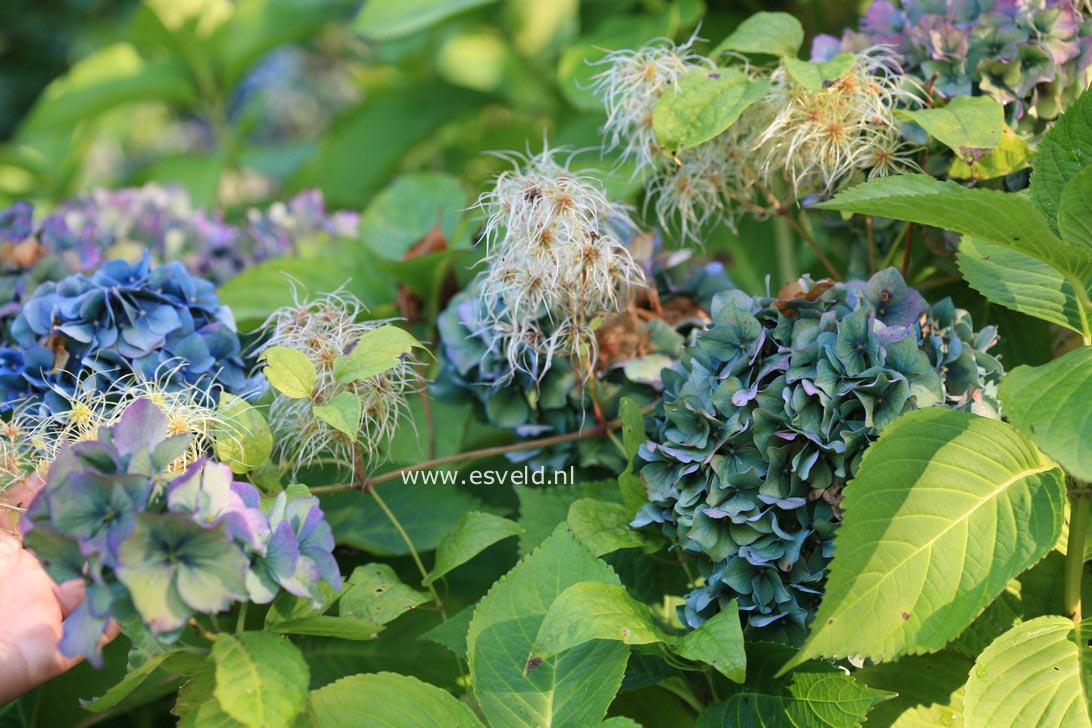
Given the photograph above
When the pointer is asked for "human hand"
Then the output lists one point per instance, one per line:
(32, 607)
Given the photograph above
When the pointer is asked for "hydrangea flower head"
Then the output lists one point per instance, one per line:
(154, 546)
(765, 419)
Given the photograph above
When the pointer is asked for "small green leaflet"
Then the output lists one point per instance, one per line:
(771, 34)
(261, 678)
(703, 105)
(472, 533)
(971, 126)
(377, 351)
(812, 75)
(289, 371)
(343, 413)
(242, 438)
(375, 594)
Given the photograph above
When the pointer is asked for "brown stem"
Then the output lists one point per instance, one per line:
(871, 245)
(813, 245)
(906, 250)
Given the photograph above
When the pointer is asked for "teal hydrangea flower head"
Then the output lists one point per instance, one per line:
(155, 548)
(765, 419)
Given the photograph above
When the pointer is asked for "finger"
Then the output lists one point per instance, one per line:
(15, 500)
(69, 595)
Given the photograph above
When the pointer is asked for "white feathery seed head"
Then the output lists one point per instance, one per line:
(555, 262)
(324, 328)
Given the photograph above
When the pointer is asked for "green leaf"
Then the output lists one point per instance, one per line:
(571, 689)
(407, 209)
(1063, 151)
(375, 352)
(1006, 219)
(1051, 404)
(718, 642)
(209, 715)
(1011, 155)
(376, 594)
(916, 556)
(970, 126)
(702, 105)
(390, 19)
(1075, 210)
(1019, 282)
(452, 633)
(261, 679)
(196, 691)
(592, 610)
(772, 34)
(343, 413)
(1037, 673)
(344, 628)
(242, 438)
(813, 74)
(388, 701)
(603, 527)
(289, 371)
(154, 676)
(633, 436)
(108, 78)
(541, 509)
(815, 694)
(929, 687)
(473, 533)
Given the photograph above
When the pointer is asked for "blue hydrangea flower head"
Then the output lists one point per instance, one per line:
(765, 418)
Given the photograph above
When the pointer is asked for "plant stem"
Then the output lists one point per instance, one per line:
(1079, 501)
(240, 622)
(786, 254)
(813, 245)
(210, 636)
(367, 482)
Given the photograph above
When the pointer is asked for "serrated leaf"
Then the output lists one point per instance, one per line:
(718, 642)
(1037, 673)
(916, 557)
(156, 675)
(1006, 219)
(242, 438)
(572, 689)
(1011, 155)
(1064, 150)
(593, 610)
(452, 633)
(702, 105)
(772, 34)
(377, 595)
(390, 19)
(388, 701)
(929, 687)
(633, 436)
(970, 126)
(1019, 282)
(345, 628)
(196, 691)
(375, 352)
(342, 413)
(473, 533)
(289, 371)
(261, 679)
(1051, 404)
(541, 509)
(815, 694)
(603, 526)
(1075, 209)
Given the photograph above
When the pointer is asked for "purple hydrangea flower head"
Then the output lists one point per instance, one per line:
(765, 417)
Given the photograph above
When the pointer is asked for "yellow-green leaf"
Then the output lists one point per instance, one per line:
(289, 371)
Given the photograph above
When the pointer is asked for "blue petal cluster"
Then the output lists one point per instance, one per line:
(160, 549)
(1031, 55)
(633, 349)
(160, 323)
(765, 419)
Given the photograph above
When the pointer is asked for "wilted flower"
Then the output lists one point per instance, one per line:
(765, 419)
(155, 547)
(323, 329)
(632, 348)
(554, 252)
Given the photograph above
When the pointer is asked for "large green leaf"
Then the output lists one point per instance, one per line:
(571, 689)
(1064, 150)
(929, 687)
(1018, 281)
(1075, 210)
(376, 594)
(344, 628)
(473, 533)
(407, 209)
(917, 556)
(815, 694)
(702, 105)
(968, 125)
(633, 436)
(261, 678)
(1053, 404)
(1036, 674)
(773, 34)
(389, 19)
(386, 700)
(1004, 218)
(603, 527)
(718, 642)
(541, 509)
(155, 677)
(108, 78)
(1011, 155)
